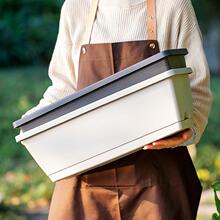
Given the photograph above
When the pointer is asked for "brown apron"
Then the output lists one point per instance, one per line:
(146, 185)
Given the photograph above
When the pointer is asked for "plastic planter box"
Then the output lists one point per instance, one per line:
(111, 118)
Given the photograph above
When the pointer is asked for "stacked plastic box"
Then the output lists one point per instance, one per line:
(111, 118)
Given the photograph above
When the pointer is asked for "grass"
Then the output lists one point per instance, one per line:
(20, 89)
(207, 160)
(211, 135)
(22, 183)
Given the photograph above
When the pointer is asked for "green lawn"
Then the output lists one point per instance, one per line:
(211, 135)
(208, 155)
(20, 89)
(22, 183)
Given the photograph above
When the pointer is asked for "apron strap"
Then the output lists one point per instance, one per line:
(151, 20)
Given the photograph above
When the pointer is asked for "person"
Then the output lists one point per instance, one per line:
(96, 39)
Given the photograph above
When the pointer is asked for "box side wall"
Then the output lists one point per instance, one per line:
(125, 119)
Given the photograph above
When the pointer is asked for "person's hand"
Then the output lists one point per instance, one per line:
(171, 141)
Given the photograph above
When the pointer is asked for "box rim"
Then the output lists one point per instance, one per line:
(101, 83)
(106, 100)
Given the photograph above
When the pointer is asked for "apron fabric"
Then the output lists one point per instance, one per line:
(146, 185)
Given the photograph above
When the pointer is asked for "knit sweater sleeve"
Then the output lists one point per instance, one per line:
(189, 36)
(61, 67)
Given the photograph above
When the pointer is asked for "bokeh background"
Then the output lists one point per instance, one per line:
(28, 30)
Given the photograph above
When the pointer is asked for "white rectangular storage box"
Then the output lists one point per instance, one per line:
(111, 118)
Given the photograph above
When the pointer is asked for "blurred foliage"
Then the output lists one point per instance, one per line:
(216, 188)
(25, 187)
(207, 164)
(22, 183)
(28, 30)
(207, 160)
(206, 11)
(211, 136)
(18, 93)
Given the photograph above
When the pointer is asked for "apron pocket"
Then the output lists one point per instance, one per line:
(136, 169)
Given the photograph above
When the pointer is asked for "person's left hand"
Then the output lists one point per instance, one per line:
(171, 141)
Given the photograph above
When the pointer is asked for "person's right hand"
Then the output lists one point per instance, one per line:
(171, 141)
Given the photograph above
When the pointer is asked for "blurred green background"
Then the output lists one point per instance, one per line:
(28, 30)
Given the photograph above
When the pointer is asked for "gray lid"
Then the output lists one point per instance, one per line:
(97, 85)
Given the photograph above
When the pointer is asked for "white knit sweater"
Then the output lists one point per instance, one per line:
(125, 20)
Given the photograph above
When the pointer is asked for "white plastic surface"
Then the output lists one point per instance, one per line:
(102, 101)
(112, 127)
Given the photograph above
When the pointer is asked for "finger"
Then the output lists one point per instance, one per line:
(159, 147)
(174, 140)
(146, 147)
(170, 142)
(183, 133)
(187, 134)
(151, 146)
